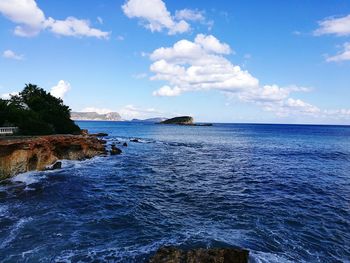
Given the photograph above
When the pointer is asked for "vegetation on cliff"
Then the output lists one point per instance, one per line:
(184, 120)
(36, 112)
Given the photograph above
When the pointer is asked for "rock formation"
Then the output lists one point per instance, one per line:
(18, 155)
(213, 255)
(184, 120)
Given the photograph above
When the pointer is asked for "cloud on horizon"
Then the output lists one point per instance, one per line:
(201, 65)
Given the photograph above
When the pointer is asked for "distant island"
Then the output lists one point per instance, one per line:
(94, 116)
(184, 120)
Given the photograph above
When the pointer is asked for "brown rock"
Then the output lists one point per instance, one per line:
(213, 255)
(18, 155)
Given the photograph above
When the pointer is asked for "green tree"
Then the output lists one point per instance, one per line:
(37, 112)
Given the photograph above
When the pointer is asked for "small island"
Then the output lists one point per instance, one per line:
(184, 120)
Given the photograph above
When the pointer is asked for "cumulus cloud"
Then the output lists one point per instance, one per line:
(31, 20)
(198, 65)
(336, 26)
(201, 65)
(341, 56)
(12, 55)
(154, 16)
(167, 91)
(60, 89)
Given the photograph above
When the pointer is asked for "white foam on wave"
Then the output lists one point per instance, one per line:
(14, 231)
(265, 257)
(3, 210)
(28, 177)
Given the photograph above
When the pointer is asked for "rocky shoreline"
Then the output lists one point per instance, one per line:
(23, 154)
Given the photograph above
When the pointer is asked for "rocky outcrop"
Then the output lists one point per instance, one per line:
(213, 255)
(18, 155)
(184, 120)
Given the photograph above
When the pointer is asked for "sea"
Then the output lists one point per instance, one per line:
(280, 191)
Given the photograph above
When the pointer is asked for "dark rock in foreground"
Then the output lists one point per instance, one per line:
(213, 255)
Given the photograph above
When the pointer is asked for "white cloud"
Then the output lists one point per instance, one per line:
(189, 15)
(130, 112)
(154, 16)
(341, 56)
(212, 44)
(26, 13)
(72, 26)
(97, 110)
(167, 91)
(201, 65)
(7, 96)
(60, 89)
(337, 26)
(31, 20)
(198, 65)
(12, 55)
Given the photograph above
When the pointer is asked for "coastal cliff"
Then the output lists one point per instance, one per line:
(18, 155)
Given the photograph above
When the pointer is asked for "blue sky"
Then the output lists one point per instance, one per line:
(219, 61)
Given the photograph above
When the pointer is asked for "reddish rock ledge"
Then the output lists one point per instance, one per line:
(22, 154)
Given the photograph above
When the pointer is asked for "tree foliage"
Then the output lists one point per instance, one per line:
(36, 112)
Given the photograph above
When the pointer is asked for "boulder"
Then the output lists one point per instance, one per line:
(114, 150)
(201, 255)
(125, 144)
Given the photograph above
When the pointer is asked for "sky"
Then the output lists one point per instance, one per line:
(254, 61)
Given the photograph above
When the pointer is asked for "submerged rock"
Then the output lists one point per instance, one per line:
(212, 255)
(125, 144)
(19, 155)
(134, 140)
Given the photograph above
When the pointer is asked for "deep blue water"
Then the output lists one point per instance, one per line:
(281, 191)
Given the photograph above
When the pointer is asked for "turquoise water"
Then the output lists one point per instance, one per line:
(281, 191)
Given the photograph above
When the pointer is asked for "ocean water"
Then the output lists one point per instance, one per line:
(281, 191)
